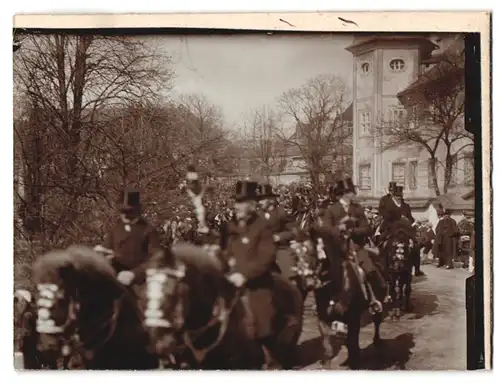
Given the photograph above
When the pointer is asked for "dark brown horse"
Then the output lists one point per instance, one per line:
(83, 313)
(197, 317)
(399, 265)
(342, 300)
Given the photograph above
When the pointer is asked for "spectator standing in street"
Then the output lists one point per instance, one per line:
(446, 241)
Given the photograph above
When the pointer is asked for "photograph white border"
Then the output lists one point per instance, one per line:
(325, 21)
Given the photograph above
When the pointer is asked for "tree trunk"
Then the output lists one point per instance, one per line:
(448, 170)
(433, 175)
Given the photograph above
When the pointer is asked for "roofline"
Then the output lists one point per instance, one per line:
(356, 47)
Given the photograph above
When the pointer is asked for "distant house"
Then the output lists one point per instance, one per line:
(390, 75)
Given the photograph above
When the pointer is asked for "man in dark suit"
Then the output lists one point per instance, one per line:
(345, 221)
(251, 251)
(446, 241)
(386, 208)
(282, 225)
(412, 230)
(131, 241)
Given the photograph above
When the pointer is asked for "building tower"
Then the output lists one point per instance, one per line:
(383, 67)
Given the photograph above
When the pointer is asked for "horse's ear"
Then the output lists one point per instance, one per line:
(22, 294)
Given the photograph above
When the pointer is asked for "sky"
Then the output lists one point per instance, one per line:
(240, 73)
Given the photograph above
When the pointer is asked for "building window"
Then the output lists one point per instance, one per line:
(365, 177)
(365, 68)
(414, 115)
(364, 123)
(397, 114)
(398, 173)
(412, 175)
(397, 65)
(469, 170)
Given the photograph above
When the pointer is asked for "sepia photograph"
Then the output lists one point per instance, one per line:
(189, 199)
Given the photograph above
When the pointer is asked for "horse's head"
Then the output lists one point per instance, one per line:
(69, 284)
(182, 287)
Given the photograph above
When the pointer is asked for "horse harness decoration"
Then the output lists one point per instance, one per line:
(156, 280)
(48, 295)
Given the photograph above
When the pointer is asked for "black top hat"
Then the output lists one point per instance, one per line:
(398, 191)
(266, 190)
(392, 186)
(246, 190)
(129, 200)
(344, 186)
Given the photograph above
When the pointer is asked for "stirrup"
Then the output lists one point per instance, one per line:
(375, 307)
(339, 328)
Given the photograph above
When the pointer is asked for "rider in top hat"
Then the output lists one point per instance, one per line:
(252, 248)
(250, 244)
(276, 215)
(280, 223)
(347, 218)
(131, 241)
(393, 212)
(387, 208)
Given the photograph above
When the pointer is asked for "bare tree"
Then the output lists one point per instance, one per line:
(67, 82)
(203, 130)
(320, 133)
(434, 120)
(263, 146)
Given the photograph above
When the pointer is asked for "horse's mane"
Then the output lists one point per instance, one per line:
(81, 259)
(198, 258)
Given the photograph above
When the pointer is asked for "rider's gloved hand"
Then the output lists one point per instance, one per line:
(237, 279)
(125, 277)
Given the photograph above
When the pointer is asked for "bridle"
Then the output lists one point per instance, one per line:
(155, 317)
(70, 330)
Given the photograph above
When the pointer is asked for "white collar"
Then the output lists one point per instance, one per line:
(343, 202)
(398, 204)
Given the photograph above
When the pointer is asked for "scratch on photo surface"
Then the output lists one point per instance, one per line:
(348, 21)
(286, 22)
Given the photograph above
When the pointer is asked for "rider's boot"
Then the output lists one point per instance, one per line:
(384, 273)
(371, 281)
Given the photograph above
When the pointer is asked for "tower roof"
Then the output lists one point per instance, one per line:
(368, 42)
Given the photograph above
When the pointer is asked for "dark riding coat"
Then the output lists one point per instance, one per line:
(254, 252)
(132, 248)
(333, 216)
(284, 226)
(391, 214)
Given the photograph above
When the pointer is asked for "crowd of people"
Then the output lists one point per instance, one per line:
(297, 199)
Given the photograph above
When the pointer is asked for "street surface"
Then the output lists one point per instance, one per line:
(432, 337)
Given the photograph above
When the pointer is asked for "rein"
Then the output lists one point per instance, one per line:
(223, 317)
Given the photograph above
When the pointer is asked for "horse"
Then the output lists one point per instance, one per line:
(195, 315)
(85, 316)
(400, 250)
(25, 334)
(342, 299)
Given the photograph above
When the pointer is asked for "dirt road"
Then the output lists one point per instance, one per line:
(432, 337)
